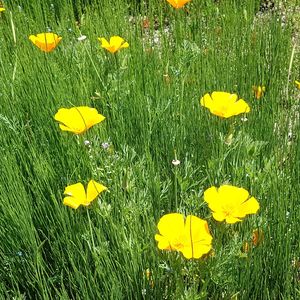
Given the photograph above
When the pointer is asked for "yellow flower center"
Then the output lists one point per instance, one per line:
(178, 242)
(221, 111)
(228, 210)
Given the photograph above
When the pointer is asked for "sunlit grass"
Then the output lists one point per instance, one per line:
(150, 96)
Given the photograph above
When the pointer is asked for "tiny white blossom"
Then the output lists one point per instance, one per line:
(105, 145)
(81, 38)
(176, 162)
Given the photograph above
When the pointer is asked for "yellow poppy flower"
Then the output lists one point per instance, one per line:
(230, 203)
(191, 237)
(297, 84)
(78, 119)
(115, 43)
(2, 9)
(224, 105)
(47, 42)
(76, 195)
(178, 3)
(258, 91)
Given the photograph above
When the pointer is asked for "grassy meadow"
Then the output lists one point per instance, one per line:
(150, 96)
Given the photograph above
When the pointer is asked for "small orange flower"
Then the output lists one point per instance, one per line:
(258, 91)
(178, 3)
(47, 42)
(257, 237)
(115, 44)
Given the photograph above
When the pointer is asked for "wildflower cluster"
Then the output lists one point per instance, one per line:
(189, 235)
(47, 42)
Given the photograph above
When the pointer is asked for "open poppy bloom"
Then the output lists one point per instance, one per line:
(224, 105)
(78, 119)
(191, 236)
(115, 43)
(297, 84)
(76, 195)
(47, 42)
(178, 3)
(258, 91)
(230, 203)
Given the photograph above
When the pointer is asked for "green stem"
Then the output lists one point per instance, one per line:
(91, 230)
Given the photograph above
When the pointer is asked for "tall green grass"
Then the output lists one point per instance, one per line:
(149, 94)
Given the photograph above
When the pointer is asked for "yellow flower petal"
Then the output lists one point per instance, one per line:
(71, 202)
(233, 194)
(191, 238)
(46, 42)
(125, 45)
(207, 101)
(116, 41)
(224, 98)
(94, 189)
(78, 119)
(250, 206)
(224, 105)
(178, 3)
(219, 216)
(32, 38)
(76, 191)
(211, 196)
(232, 220)
(240, 107)
(163, 243)
(196, 252)
(197, 239)
(2, 9)
(115, 44)
(104, 42)
(76, 195)
(170, 225)
(230, 203)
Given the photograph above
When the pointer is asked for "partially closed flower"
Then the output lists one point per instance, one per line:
(76, 195)
(47, 42)
(178, 3)
(258, 91)
(230, 203)
(297, 83)
(78, 119)
(115, 43)
(191, 236)
(224, 105)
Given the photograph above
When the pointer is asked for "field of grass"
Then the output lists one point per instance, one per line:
(150, 96)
